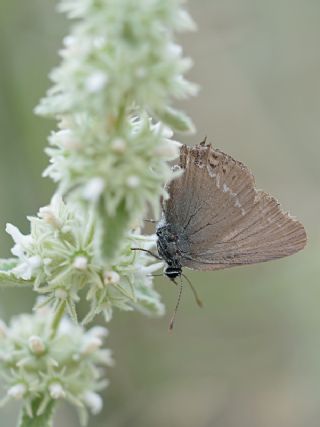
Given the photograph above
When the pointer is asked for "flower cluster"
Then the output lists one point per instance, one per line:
(120, 70)
(112, 96)
(126, 169)
(38, 366)
(120, 54)
(62, 257)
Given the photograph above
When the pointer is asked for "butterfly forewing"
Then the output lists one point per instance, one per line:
(226, 220)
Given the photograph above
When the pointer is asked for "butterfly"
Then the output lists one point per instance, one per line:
(215, 218)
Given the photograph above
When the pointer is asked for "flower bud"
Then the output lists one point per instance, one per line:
(56, 391)
(99, 42)
(47, 214)
(69, 40)
(96, 81)
(93, 401)
(61, 293)
(80, 263)
(91, 345)
(65, 122)
(168, 150)
(99, 331)
(119, 145)
(93, 189)
(133, 181)
(17, 391)
(34, 261)
(174, 50)
(36, 345)
(111, 278)
(66, 139)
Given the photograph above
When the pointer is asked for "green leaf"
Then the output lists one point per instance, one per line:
(177, 120)
(7, 278)
(8, 264)
(43, 420)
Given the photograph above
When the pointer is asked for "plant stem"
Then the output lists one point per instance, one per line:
(43, 420)
(57, 318)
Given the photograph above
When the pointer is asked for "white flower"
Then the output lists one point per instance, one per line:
(111, 277)
(80, 263)
(65, 122)
(133, 181)
(48, 215)
(149, 269)
(73, 47)
(28, 267)
(17, 391)
(174, 49)
(69, 368)
(93, 401)
(66, 139)
(99, 332)
(96, 81)
(162, 130)
(21, 241)
(184, 21)
(35, 261)
(36, 344)
(119, 145)
(91, 344)
(93, 189)
(99, 42)
(69, 40)
(61, 293)
(56, 391)
(168, 149)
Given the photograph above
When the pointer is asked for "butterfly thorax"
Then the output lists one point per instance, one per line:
(171, 244)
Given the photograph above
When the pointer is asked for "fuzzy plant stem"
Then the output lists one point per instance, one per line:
(44, 420)
(57, 319)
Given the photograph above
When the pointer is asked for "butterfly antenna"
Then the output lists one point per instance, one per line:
(176, 307)
(195, 293)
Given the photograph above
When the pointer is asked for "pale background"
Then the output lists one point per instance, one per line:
(251, 357)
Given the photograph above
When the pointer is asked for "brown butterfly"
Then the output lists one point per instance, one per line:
(215, 218)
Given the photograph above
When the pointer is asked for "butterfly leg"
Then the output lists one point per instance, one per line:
(148, 252)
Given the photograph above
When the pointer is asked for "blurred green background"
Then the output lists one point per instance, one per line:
(251, 357)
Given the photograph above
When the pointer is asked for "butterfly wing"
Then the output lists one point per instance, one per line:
(226, 220)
